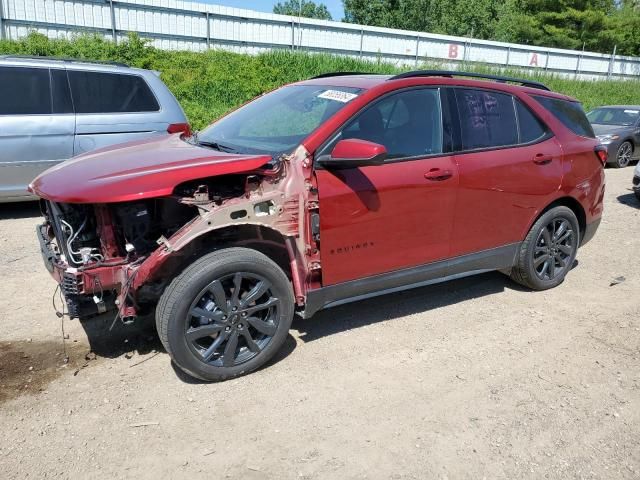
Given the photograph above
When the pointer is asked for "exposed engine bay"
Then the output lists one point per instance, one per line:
(82, 242)
(120, 256)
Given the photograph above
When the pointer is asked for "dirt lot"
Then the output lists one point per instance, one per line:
(470, 379)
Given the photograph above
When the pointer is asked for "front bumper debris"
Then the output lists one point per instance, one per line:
(86, 294)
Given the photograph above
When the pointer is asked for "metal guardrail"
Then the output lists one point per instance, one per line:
(175, 24)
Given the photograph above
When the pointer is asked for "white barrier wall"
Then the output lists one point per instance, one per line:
(173, 24)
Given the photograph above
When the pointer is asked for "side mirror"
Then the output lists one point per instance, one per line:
(352, 153)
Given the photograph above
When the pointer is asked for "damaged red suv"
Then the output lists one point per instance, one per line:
(323, 192)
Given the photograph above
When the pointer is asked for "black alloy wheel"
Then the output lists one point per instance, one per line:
(549, 250)
(555, 248)
(226, 314)
(232, 319)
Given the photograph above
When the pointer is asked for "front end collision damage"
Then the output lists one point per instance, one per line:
(279, 202)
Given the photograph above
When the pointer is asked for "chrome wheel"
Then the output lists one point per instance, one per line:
(625, 152)
(555, 247)
(232, 320)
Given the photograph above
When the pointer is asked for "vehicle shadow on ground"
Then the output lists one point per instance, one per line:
(111, 339)
(19, 210)
(630, 200)
(396, 305)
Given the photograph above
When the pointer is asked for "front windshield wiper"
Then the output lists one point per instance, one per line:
(215, 145)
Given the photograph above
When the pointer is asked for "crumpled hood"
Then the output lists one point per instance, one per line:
(137, 170)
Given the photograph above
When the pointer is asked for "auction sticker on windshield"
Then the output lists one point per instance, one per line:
(338, 96)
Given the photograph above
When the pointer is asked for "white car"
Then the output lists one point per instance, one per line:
(636, 181)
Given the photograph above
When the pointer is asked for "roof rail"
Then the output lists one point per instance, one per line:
(339, 74)
(451, 74)
(63, 59)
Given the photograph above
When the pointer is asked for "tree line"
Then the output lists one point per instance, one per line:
(595, 25)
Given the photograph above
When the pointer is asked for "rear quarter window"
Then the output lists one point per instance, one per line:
(531, 129)
(97, 92)
(571, 114)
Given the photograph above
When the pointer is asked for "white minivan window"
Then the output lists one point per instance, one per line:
(97, 92)
(27, 91)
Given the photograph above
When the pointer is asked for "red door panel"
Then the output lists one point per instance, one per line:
(383, 218)
(501, 191)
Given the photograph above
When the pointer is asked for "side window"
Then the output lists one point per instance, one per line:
(26, 91)
(61, 93)
(96, 92)
(487, 119)
(531, 129)
(569, 113)
(408, 124)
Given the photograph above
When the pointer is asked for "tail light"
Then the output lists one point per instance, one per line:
(179, 127)
(602, 153)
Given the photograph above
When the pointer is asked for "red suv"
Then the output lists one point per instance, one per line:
(323, 192)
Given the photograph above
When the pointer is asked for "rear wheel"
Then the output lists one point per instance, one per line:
(226, 315)
(549, 250)
(624, 155)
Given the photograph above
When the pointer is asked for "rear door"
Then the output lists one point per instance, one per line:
(509, 164)
(113, 108)
(37, 125)
(379, 219)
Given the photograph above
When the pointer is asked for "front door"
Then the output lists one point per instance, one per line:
(379, 219)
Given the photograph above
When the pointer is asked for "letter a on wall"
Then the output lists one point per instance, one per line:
(534, 60)
(453, 51)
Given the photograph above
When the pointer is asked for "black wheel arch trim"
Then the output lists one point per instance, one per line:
(572, 204)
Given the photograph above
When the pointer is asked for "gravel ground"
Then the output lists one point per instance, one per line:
(470, 379)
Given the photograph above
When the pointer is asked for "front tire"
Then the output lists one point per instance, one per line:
(549, 250)
(624, 155)
(226, 314)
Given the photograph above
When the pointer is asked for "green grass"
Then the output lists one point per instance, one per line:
(209, 84)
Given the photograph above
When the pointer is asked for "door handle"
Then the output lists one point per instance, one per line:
(542, 159)
(437, 175)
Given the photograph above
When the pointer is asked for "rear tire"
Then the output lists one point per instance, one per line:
(226, 314)
(549, 250)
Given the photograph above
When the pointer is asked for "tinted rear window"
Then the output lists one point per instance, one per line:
(95, 92)
(25, 91)
(569, 113)
(487, 119)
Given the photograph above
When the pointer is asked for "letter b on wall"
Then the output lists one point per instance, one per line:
(453, 51)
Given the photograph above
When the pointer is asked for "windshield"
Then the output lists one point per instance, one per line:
(614, 116)
(277, 122)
